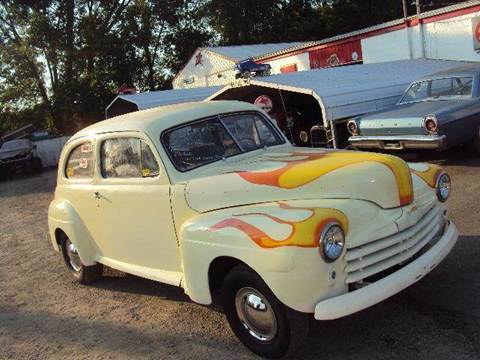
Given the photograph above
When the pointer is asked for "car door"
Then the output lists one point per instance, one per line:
(133, 196)
(78, 187)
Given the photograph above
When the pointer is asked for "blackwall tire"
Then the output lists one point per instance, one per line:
(259, 320)
(82, 273)
(477, 140)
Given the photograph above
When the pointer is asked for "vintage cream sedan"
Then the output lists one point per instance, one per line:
(211, 197)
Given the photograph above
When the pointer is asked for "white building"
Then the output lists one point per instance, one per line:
(213, 66)
(449, 33)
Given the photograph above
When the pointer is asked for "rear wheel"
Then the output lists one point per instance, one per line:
(84, 274)
(260, 321)
(477, 140)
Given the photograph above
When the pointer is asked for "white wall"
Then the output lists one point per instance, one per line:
(301, 60)
(49, 150)
(207, 73)
(390, 46)
(449, 39)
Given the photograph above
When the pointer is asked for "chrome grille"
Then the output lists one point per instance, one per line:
(376, 256)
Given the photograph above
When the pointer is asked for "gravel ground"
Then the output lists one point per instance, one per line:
(45, 314)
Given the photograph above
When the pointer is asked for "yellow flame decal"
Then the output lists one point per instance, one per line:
(305, 233)
(430, 175)
(314, 165)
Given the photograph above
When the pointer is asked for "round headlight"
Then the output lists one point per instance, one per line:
(332, 241)
(444, 187)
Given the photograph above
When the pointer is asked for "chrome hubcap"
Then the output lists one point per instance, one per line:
(73, 257)
(256, 314)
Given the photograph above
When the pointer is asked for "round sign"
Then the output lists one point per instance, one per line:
(264, 102)
(477, 32)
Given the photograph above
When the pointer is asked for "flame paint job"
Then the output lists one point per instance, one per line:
(312, 166)
(304, 233)
(430, 175)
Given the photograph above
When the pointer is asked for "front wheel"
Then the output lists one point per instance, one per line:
(83, 274)
(260, 321)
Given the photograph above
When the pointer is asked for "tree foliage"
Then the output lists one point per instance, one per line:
(61, 61)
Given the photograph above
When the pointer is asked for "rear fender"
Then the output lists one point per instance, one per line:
(62, 216)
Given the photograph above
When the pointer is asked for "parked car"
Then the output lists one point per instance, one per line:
(213, 198)
(248, 67)
(437, 112)
(19, 154)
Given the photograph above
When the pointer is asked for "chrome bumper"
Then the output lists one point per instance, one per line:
(352, 302)
(392, 142)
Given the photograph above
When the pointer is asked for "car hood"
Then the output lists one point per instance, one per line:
(291, 173)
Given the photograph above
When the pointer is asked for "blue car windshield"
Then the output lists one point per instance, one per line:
(439, 89)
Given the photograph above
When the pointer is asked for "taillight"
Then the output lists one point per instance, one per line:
(431, 125)
(352, 127)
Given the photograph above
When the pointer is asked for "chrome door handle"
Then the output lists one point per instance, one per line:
(97, 195)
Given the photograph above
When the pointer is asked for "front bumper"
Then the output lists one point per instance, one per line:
(352, 302)
(393, 142)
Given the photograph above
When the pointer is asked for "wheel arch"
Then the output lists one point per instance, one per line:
(64, 222)
(218, 270)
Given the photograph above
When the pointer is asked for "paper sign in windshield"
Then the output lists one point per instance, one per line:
(83, 163)
(86, 148)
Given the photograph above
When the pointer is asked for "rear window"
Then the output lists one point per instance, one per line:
(81, 162)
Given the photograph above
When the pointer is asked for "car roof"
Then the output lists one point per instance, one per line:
(160, 118)
(466, 70)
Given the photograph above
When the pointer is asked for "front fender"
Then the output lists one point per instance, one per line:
(63, 216)
(277, 247)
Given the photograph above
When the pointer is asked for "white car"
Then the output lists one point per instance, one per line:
(211, 197)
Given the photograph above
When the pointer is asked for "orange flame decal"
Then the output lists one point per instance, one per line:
(314, 165)
(430, 175)
(304, 233)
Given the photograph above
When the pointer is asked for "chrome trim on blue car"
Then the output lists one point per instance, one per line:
(399, 142)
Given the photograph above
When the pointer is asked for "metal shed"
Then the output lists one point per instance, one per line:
(330, 96)
(123, 104)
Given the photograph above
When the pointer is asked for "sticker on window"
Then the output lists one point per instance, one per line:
(146, 172)
(83, 163)
(87, 148)
(70, 171)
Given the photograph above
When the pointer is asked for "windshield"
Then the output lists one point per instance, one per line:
(217, 138)
(439, 89)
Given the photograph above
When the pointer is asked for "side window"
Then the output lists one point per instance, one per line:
(127, 158)
(81, 162)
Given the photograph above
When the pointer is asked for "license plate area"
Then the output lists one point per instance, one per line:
(396, 145)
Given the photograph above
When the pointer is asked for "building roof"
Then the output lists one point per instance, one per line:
(147, 100)
(352, 90)
(155, 120)
(241, 52)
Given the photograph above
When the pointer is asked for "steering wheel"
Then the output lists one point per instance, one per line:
(247, 143)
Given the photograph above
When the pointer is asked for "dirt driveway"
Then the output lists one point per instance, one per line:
(44, 314)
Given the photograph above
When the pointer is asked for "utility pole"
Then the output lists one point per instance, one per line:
(405, 10)
(419, 7)
(420, 26)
